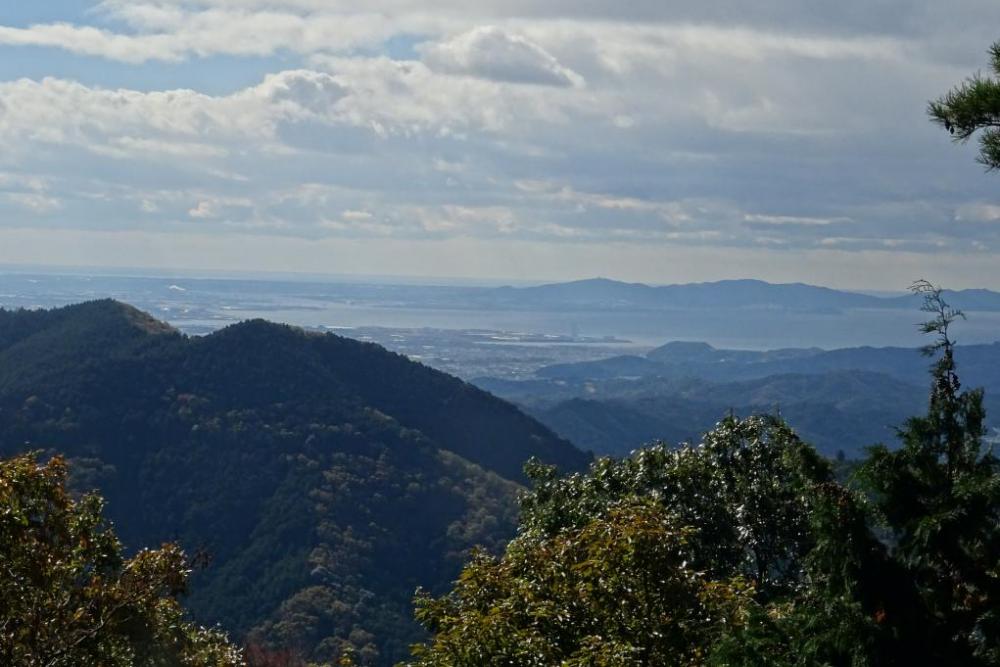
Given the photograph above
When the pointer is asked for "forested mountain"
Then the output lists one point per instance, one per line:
(839, 400)
(326, 478)
(838, 412)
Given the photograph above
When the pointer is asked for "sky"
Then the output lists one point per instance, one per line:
(649, 140)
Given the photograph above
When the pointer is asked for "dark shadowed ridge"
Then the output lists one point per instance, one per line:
(257, 361)
(327, 477)
(106, 320)
(457, 415)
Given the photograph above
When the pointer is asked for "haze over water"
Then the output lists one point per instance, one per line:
(200, 304)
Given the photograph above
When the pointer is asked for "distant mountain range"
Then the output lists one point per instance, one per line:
(980, 364)
(327, 478)
(840, 400)
(603, 293)
(734, 314)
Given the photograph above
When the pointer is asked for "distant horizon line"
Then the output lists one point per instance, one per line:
(375, 278)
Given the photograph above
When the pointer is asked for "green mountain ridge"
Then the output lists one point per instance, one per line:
(327, 478)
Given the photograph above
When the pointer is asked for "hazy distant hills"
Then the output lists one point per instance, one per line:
(840, 400)
(745, 314)
(604, 293)
(980, 364)
(328, 478)
(593, 293)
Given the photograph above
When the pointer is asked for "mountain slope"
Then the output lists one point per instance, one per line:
(840, 400)
(839, 411)
(327, 478)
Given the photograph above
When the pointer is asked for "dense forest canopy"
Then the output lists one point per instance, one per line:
(327, 478)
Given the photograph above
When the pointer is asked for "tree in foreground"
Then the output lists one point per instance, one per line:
(741, 550)
(621, 590)
(69, 597)
(744, 550)
(974, 106)
(939, 496)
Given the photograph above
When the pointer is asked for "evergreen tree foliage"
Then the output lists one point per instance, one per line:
(939, 496)
(972, 106)
(68, 596)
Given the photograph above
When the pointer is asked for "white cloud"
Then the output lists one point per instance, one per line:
(231, 209)
(33, 202)
(204, 209)
(978, 212)
(405, 98)
(491, 53)
(792, 220)
(18, 181)
(90, 41)
(312, 92)
(176, 31)
(582, 122)
(56, 111)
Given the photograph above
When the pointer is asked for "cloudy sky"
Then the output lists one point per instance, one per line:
(646, 140)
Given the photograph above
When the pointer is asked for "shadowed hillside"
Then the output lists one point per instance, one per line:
(839, 400)
(327, 478)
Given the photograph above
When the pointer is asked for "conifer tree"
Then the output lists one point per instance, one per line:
(939, 496)
(972, 106)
